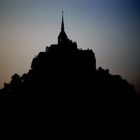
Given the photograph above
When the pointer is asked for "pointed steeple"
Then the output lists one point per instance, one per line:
(62, 24)
(62, 38)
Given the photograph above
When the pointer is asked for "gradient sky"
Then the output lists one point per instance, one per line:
(111, 28)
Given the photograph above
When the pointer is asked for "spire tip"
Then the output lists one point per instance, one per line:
(62, 24)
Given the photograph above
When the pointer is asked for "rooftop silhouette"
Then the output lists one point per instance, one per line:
(65, 72)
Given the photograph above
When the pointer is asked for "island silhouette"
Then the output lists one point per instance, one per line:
(63, 72)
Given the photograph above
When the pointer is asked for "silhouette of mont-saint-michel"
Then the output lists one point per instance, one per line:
(65, 72)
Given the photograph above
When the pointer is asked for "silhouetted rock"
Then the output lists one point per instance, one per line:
(65, 73)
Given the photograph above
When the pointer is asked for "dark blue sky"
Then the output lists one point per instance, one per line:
(110, 27)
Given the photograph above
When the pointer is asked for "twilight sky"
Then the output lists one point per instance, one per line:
(111, 28)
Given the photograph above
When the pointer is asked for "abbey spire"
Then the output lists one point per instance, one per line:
(62, 38)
